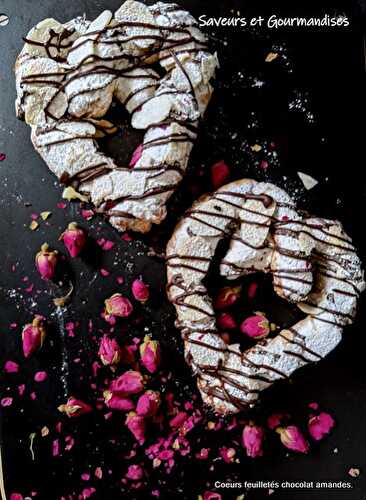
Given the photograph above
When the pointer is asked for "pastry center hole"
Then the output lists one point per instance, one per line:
(255, 294)
(120, 145)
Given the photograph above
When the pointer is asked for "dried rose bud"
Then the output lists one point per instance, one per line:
(227, 454)
(320, 425)
(109, 351)
(150, 354)
(211, 495)
(225, 321)
(220, 173)
(227, 297)
(136, 425)
(116, 402)
(130, 382)
(33, 335)
(293, 439)
(75, 408)
(252, 438)
(256, 327)
(74, 239)
(136, 155)
(135, 473)
(117, 305)
(46, 262)
(16, 496)
(148, 404)
(140, 290)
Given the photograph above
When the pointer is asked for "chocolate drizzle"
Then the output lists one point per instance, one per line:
(166, 44)
(224, 382)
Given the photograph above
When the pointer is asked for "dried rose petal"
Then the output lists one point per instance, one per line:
(320, 425)
(220, 174)
(75, 408)
(140, 290)
(150, 354)
(256, 327)
(136, 425)
(275, 420)
(178, 420)
(148, 404)
(293, 439)
(136, 155)
(116, 402)
(40, 376)
(33, 335)
(253, 437)
(135, 472)
(6, 401)
(109, 351)
(130, 382)
(46, 261)
(226, 322)
(74, 239)
(119, 306)
(227, 297)
(11, 367)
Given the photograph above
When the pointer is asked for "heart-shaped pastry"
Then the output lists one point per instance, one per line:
(313, 264)
(155, 61)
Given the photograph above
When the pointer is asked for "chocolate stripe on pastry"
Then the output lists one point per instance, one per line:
(68, 74)
(312, 262)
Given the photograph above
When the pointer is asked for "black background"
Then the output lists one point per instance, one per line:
(324, 68)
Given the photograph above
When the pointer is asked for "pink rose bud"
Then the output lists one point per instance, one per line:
(136, 425)
(117, 305)
(253, 437)
(211, 495)
(140, 291)
(293, 439)
(150, 354)
(130, 382)
(225, 321)
(109, 351)
(75, 408)
(33, 335)
(227, 297)
(256, 326)
(16, 496)
(320, 425)
(220, 173)
(74, 239)
(46, 262)
(115, 402)
(148, 404)
(135, 473)
(136, 155)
